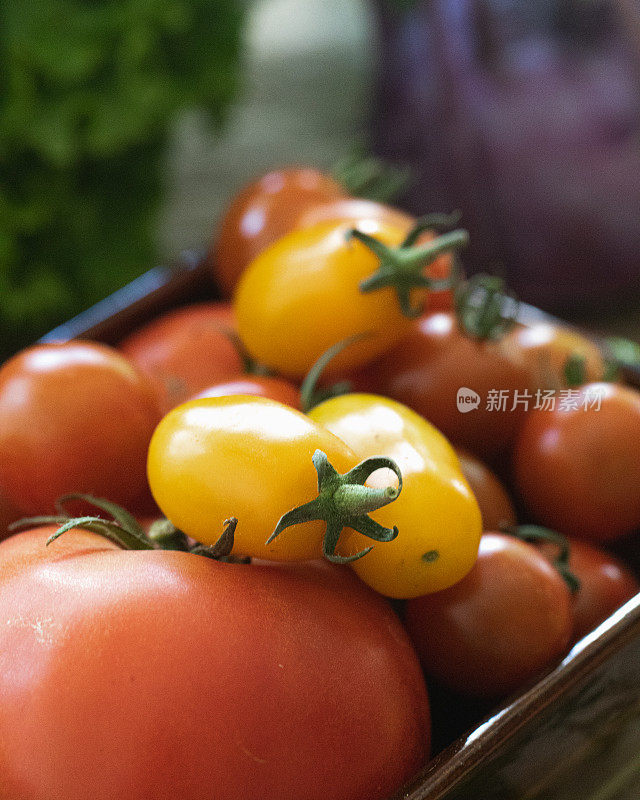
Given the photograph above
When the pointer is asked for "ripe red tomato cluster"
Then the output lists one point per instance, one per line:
(217, 654)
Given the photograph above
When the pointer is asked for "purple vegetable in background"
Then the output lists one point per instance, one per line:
(526, 115)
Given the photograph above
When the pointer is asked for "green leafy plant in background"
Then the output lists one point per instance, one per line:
(88, 90)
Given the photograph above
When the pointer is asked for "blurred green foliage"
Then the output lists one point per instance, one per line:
(88, 89)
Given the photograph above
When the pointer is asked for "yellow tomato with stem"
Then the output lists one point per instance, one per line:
(270, 467)
(321, 284)
(437, 516)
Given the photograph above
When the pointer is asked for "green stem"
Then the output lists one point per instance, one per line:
(366, 176)
(310, 395)
(221, 550)
(485, 309)
(575, 370)
(345, 501)
(403, 268)
(125, 531)
(166, 536)
(249, 365)
(109, 530)
(441, 223)
(537, 533)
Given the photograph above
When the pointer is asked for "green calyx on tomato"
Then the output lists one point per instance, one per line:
(575, 370)
(345, 501)
(485, 308)
(364, 175)
(126, 532)
(402, 267)
(123, 529)
(538, 533)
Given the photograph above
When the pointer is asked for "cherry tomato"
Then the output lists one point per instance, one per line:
(494, 501)
(436, 514)
(605, 584)
(577, 466)
(302, 295)
(261, 213)
(549, 347)
(259, 385)
(155, 675)
(505, 623)
(244, 457)
(186, 350)
(429, 367)
(74, 417)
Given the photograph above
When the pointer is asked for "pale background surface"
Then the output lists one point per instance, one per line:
(306, 98)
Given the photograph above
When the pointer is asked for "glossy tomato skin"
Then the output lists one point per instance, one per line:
(267, 386)
(185, 350)
(353, 209)
(547, 348)
(577, 469)
(433, 362)
(261, 213)
(149, 670)
(302, 295)
(495, 504)
(74, 417)
(244, 457)
(605, 584)
(436, 513)
(506, 622)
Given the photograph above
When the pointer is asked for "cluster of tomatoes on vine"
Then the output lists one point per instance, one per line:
(214, 635)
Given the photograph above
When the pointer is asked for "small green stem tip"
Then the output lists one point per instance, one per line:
(537, 533)
(344, 501)
(485, 309)
(221, 550)
(575, 370)
(403, 268)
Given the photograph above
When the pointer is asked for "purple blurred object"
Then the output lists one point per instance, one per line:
(525, 115)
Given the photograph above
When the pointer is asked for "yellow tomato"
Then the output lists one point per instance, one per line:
(256, 460)
(437, 516)
(305, 292)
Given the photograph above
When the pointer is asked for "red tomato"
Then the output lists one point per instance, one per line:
(605, 584)
(186, 350)
(426, 370)
(495, 504)
(577, 466)
(159, 675)
(74, 417)
(273, 388)
(502, 625)
(261, 213)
